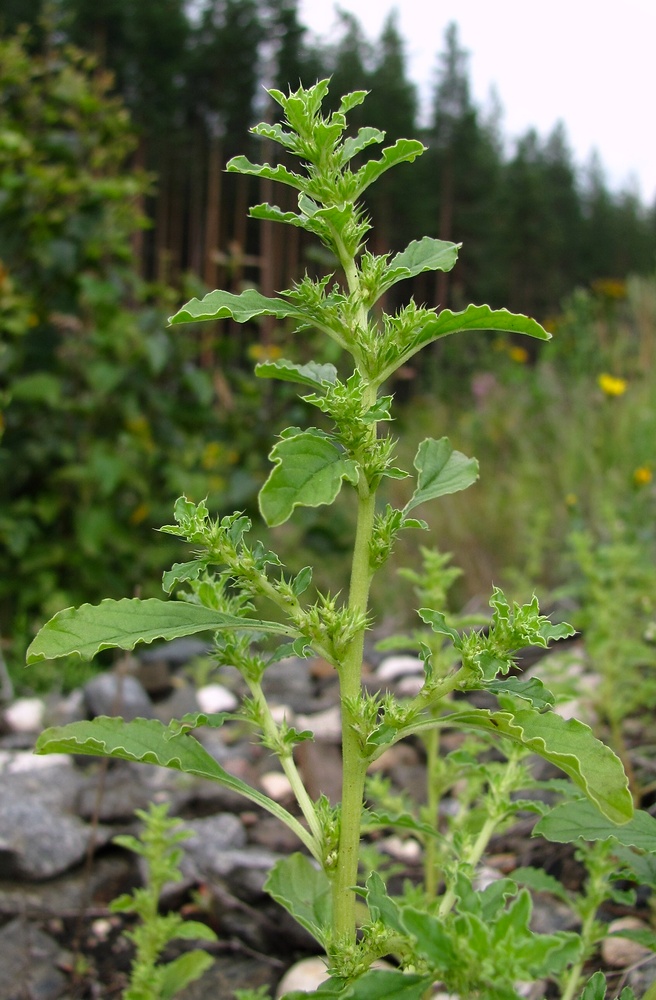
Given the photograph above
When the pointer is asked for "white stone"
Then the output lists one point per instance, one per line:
(325, 725)
(282, 713)
(276, 785)
(306, 976)
(25, 715)
(18, 761)
(408, 850)
(393, 667)
(621, 952)
(216, 698)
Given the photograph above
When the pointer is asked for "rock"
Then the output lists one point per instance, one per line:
(392, 668)
(306, 976)
(290, 681)
(230, 973)
(216, 698)
(112, 873)
(276, 785)
(620, 952)
(320, 765)
(36, 842)
(28, 960)
(25, 715)
(117, 694)
(177, 652)
(326, 725)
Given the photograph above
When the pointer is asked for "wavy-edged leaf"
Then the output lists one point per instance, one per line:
(355, 144)
(441, 470)
(122, 624)
(426, 254)
(579, 820)
(242, 165)
(403, 151)
(531, 690)
(226, 305)
(180, 572)
(272, 213)
(149, 741)
(570, 745)
(304, 891)
(309, 471)
(472, 318)
(312, 374)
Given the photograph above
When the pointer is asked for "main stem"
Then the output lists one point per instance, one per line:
(354, 764)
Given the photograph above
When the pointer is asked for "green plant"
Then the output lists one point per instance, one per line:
(151, 979)
(477, 941)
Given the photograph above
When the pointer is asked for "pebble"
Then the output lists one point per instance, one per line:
(305, 976)
(394, 667)
(620, 952)
(216, 698)
(117, 694)
(326, 725)
(25, 715)
(276, 785)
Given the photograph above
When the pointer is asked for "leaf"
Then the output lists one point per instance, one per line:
(531, 690)
(471, 318)
(312, 374)
(376, 984)
(426, 254)
(226, 305)
(305, 892)
(352, 146)
(180, 572)
(403, 150)
(149, 741)
(309, 471)
(570, 745)
(595, 988)
(540, 881)
(92, 627)
(175, 975)
(579, 820)
(441, 470)
(242, 165)
(194, 930)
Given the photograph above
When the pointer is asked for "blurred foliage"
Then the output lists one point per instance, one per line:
(107, 415)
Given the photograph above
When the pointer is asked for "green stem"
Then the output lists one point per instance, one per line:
(432, 744)
(354, 764)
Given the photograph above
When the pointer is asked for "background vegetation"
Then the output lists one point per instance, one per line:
(114, 207)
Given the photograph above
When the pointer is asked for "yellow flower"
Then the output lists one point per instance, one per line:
(612, 386)
(518, 354)
(642, 476)
(264, 352)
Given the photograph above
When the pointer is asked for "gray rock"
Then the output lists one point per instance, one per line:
(28, 959)
(290, 681)
(117, 694)
(176, 653)
(37, 839)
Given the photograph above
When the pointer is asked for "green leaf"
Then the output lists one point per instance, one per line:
(180, 572)
(579, 820)
(426, 254)
(312, 374)
(149, 741)
(471, 318)
(352, 146)
(194, 930)
(403, 150)
(595, 988)
(441, 470)
(175, 975)
(309, 471)
(92, 627)
(540, 881)
(532, 690)
(376, 984)
(570, 745)
(305, 892)
(226, 305)
(242, 165)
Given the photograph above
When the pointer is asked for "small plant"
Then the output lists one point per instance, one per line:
(477, 941)
(158, 846)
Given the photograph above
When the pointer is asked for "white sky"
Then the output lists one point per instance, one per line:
(590, 63)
